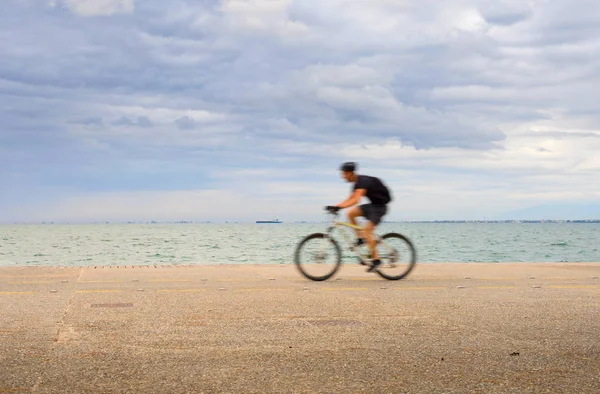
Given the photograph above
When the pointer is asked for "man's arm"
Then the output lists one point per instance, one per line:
(353, 199)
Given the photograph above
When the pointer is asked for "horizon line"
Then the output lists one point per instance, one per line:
(50, 222)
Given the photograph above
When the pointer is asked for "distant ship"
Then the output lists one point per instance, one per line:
(268, 221)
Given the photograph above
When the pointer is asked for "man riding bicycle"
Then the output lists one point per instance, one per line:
(378, 194)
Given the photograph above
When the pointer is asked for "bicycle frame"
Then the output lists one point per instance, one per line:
(335, 223)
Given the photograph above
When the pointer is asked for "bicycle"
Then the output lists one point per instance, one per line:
(390, 256)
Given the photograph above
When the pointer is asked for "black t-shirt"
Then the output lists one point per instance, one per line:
(377, 192)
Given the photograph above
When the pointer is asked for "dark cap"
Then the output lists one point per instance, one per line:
(348, 166)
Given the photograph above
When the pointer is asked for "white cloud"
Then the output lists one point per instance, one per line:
(161, 114)
(470, 20)
(349, 75)
(262, 16)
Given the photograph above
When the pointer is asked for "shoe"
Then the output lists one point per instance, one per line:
(374, 265)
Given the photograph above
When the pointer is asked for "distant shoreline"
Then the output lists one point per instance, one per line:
(516, 221)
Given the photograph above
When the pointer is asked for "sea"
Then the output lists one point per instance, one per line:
(250, 243)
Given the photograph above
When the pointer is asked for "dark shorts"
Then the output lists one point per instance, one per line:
(373, 213)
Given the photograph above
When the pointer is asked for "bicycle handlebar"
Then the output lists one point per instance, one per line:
(332, 209)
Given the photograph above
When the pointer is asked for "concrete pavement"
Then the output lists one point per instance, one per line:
(447, 328)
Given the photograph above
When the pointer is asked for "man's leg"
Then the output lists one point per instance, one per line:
(352, 215)
(369, 228)
(374, 217)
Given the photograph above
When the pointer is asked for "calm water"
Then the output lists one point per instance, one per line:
(138, 244)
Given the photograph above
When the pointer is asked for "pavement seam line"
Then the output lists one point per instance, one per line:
(62, 321)
(60, 326)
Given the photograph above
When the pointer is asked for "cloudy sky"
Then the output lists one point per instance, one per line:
(244, 109)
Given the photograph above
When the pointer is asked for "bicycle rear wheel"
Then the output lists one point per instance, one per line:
(318, 257)
(398, 256)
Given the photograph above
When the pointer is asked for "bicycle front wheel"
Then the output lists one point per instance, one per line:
(398, 256)
(318, 257)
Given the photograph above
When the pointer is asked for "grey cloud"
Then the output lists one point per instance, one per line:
(556, 23)
(505, 12)
(141, 121)
(185, 123)
(93, 121)
(123, 122)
